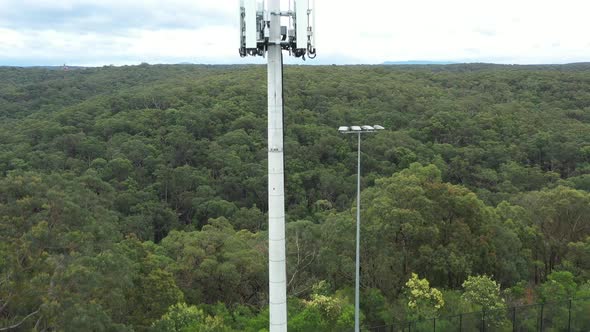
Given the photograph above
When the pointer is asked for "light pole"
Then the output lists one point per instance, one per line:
(358, 130)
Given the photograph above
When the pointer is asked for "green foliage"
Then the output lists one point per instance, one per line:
(558, 216)
(324, 313)
(578, 258)
(560, 286)
(376, 308)
(183, 318)
(423, 302)
(155, 292)
(217, 255)
(178, 317)
(483, 292)
(125, 190)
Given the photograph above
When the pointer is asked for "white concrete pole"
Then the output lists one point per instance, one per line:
(277, 268)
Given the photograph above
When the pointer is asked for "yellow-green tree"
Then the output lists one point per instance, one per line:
(483, 292)
(423, 301)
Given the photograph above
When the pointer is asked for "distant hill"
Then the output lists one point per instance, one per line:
(482, 66)
(419, 62)
(56, 67)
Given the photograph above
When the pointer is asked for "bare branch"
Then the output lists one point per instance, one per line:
(21, 322)
(302, 263)
(5, 302)
(36, 328)
(298, 256)
(304, 289)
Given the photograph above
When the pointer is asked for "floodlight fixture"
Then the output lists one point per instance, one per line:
(359, 129)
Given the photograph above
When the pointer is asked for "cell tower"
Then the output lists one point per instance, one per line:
(262, 34)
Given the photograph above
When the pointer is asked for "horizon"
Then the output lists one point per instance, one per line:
(386, 63)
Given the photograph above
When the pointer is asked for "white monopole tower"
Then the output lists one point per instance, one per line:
(262, 33)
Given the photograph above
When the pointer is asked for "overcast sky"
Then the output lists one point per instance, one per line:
(103, 32)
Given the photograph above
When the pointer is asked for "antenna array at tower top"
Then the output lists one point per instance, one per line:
(297, 37)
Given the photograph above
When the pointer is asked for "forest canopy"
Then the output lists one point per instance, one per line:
(134, 198)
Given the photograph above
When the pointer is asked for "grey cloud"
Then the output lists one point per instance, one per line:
(95, 60)
(110, 17)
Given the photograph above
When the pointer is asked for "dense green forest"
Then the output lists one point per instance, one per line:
(134, 198)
